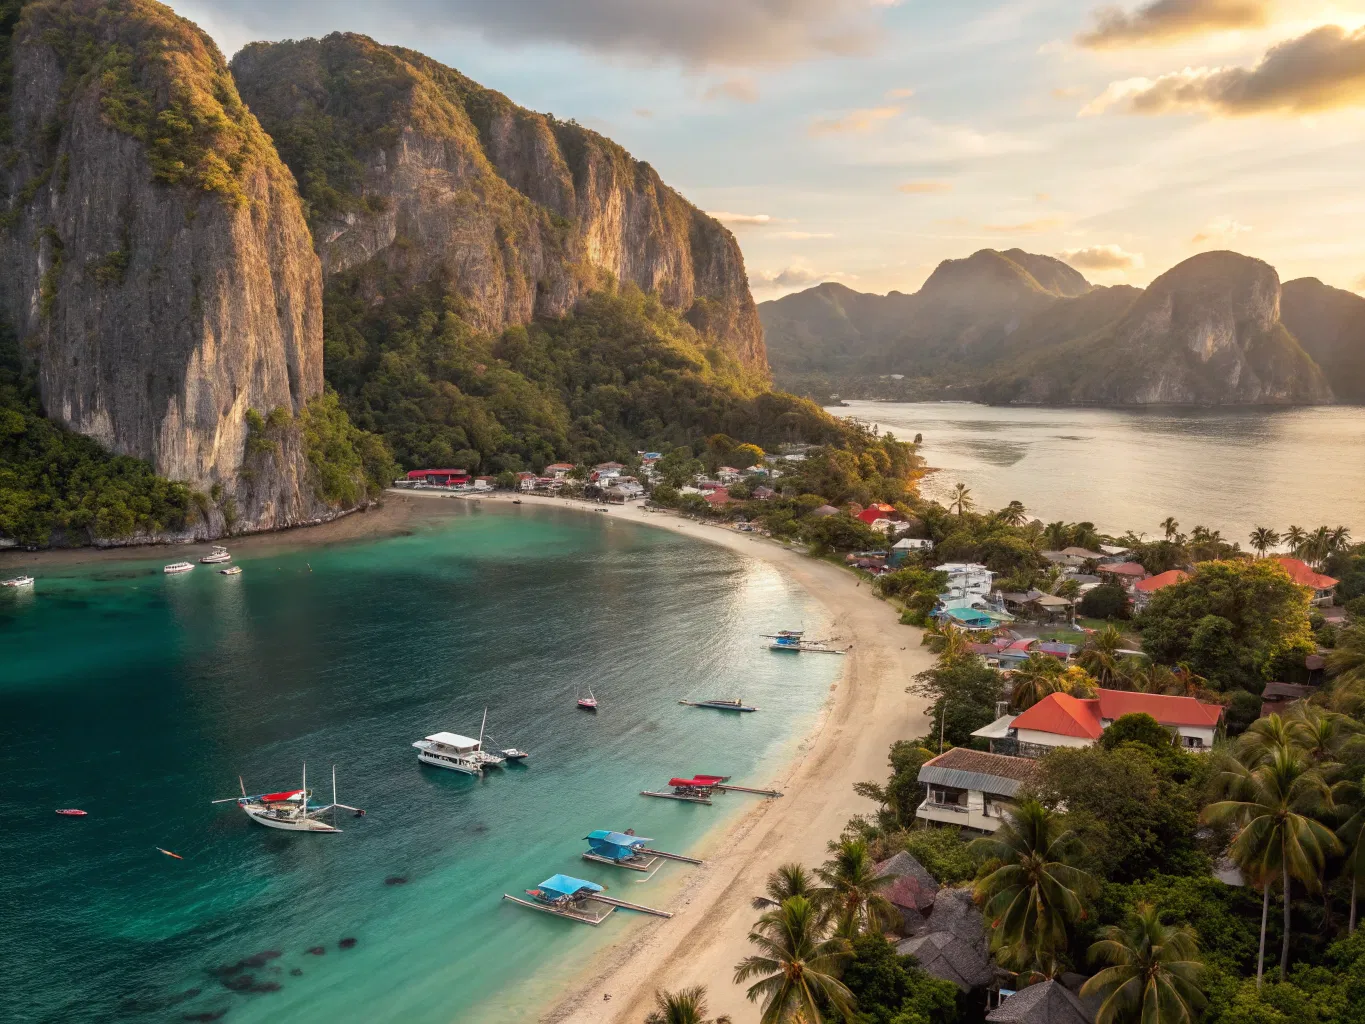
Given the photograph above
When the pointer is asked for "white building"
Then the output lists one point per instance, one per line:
(1060, 720)
(971, 788)
(966, 578)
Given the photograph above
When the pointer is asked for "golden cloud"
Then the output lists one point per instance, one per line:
(899, 94)
(753, 220)
(741, 90)
(855, 121)
(1220, 229)
(1028, 227)
(1101, 257)
(1162, 21)
(1321, 70)
(918, 188)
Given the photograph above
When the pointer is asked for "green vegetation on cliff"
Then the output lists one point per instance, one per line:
(57, 485)
(622, 373)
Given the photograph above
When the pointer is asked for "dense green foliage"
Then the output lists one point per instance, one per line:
(1107, 601)
(56, 485)
(890, 989)
(964, 693)
(917, 589)
(622, 373)
(1233, 622)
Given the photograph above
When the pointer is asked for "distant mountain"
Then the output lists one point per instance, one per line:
(1020, 327)
(1330, 325)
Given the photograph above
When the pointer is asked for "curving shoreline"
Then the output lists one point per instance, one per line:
(867, 710)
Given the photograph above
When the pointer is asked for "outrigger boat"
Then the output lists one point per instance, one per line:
(700, 788)
(785, 634)
(588, 703)
(290, 810)
(627, 850)
(18, 581)
(719, 705)
(218, 554)
(576, 899)
(796, 645)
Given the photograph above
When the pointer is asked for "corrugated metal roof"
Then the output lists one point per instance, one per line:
(959, 779)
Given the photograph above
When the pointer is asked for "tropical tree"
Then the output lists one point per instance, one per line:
(1149, 677)
(1057, 535)
(784, 882)
(1263, 538)
(1349, 795)
(1295, 537)
(1076, 681)
(1276, 807)
(1102, 656)
(1013, 514)
(1170, 527)
(1346, 661)
(686, 1006)
(1153, 973)
(798, 965)
(1340, 539)
(951, 643)
(962, 499)
(1084, 535)
(1036, 677)
(853, 892)
(1069, 589)
(1034, 890)
(1318, 545)
(1319, 733)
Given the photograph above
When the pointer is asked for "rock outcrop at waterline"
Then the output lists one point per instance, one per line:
(416, 175)
(160, 271)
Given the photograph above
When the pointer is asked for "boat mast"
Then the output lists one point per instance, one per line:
(304, 805)
(334, 796)
(481, 728)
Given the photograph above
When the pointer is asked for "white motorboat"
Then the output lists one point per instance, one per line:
(218, 554)
(231, 570)
(18, 581)
(175, 567)
(290, 810)
(450, 750)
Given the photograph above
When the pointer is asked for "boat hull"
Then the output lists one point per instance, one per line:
(436, 761)
(290, 824)
(215, 559)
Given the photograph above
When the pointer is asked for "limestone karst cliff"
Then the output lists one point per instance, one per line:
(415, 174)
(160, 276)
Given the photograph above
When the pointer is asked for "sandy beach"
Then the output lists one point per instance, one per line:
(868, 709)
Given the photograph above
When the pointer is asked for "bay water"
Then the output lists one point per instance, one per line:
(1128, 469)
(141, 697)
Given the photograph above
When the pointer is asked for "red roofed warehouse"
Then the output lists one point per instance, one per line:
(1322, 586)
(1060, 720)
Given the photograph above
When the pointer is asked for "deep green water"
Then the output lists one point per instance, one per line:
(141, 697)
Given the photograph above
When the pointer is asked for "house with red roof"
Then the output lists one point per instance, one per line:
(1126, 574)
(1300, 572)
(717, 497)
(1144, 589)
(877, 510)
(1061, 720)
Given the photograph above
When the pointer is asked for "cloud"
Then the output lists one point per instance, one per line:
(1359, 285)
(1028, 227)
(752, 220)
(800, 236)
(741, 90)
(1101, 257)
(1321, 70)
(699, 33)
(643, 112)
(790, 278)
(1220, 229)
(1069, 92)
(899, 94)
(918, 188)
(855, 121)
(1162, 21)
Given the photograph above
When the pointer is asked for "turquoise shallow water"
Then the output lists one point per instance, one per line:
(141, 697)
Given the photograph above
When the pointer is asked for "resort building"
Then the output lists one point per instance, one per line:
(438, 477)
(728, 474)
(1061, 720)
(971, 788)
(966, 578)
(912, 893)
(1323, 587)
(1043, 1002)
(1144, 589)
(877, 510)
(559, 470)
(526, 481)
(484, 483)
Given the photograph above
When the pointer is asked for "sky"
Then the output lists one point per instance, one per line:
(864, 141)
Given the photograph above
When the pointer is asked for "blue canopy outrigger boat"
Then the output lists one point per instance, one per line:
(577, 899)
(627, 850)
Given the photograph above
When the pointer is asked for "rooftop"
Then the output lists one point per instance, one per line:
(975, 769)
(1124, 569)
(1047, 1002)
(1162, 579)
(1063, 715)
(1304, 576)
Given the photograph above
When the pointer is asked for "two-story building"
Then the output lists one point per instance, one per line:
(972, 788)
(1061, 720)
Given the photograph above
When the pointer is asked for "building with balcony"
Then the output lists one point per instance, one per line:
(972, 788)
(1061, 720)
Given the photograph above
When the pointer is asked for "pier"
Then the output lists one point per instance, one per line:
(676, 796)
(613, 902)
(672, 856)
(746, 789)
(577, 912)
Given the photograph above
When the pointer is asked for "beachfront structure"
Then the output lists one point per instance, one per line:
(953, 944)
(971, 612)
(972, 788)
(906, 546)
(1323, 587)
(877, 510)
(1126, 574)
(1144, 589)
(438, 477)
(559, 470)
(1043, 1002)
(1276, 697)
(966, 578)
(1061, 720)
(484, 483)
(526, 481)
(912, 893)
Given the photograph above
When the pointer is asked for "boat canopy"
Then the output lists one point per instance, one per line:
(275, 798)
(567, 885)
(603, 835)
(463, 744)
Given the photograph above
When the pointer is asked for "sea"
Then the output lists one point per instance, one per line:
(141, 698)
(1128, 469)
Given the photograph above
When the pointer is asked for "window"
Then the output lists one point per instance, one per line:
(948, 796)
(1192, 741)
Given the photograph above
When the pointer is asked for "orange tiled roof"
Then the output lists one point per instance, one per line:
(1062, 715)
(1163, 579)
(1165, 709)
(1304, 576)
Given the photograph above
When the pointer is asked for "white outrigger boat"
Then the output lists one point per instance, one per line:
(175, 567)
(218, 554)
(290, 810)
(18, 581)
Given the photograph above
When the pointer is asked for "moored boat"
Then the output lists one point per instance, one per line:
(290, 810)
(71, 812)
(176, 567)
(231, 570)
(450, 750)
(588, 703)
(218, 554)
(18, 581)
(719, 705)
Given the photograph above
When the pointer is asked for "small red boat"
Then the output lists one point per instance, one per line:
(71, 812)
(588, 703)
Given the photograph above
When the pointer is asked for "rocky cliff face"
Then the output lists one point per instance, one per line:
(161, 274)
(1330, 325)
(416, 175)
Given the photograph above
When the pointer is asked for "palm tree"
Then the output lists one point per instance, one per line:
(1036, 677)
(1295, 537)
(1149, 677)
(1170, 527)
(1346, 661)
(1318, 545)
(686, 1006)
(1057, 535)
(962, 499)
(1263, 538)
(1276, 806)
(784, 882)
(1013, 514)
(853, 891)
(1339, 539)
(1350, 795)
(1034, 891)
(951, 643)
(1101, 657)
(797, 966)
(1153, 972)
(1084, 535)
(1264, 737)
(1320, 734)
